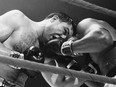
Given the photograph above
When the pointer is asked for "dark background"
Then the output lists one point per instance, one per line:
(38, 9)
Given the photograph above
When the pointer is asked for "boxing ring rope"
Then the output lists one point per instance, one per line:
(58, 70)
(90, 6)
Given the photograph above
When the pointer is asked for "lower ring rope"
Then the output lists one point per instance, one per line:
(57, 70)
(90, 6)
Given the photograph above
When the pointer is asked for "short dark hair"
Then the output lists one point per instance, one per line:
(64, 18)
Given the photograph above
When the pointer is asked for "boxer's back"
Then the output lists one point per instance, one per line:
(100, 58)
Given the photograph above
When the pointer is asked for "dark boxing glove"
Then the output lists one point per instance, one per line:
(34, 54)
(90, 69)
(74, 65)
(61, 46)
(54, 46)
(68, 62)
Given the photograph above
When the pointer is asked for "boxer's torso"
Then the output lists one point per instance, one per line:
(106, 59)
(21, 39)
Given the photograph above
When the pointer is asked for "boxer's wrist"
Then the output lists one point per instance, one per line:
(66, 49)
(15, 54)
(34, 54)
(18, 55)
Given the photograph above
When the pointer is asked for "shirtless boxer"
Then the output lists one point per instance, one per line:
(95, 37)
(18, 33)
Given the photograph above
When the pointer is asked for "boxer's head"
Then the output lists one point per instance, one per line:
(59, 25)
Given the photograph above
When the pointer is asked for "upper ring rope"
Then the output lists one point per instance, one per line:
(48, 68)
(93, 7)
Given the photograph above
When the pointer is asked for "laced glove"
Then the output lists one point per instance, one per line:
(33, 54)
(53, 47)
(66, 48)
(61, 47)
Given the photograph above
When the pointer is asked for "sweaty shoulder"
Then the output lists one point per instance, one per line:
(84, 25)
(11, 14)
(13, 17)
(90, 23)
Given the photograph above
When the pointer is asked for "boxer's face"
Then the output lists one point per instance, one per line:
(55, 29)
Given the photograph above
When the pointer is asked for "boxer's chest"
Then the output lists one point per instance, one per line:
(21, 41)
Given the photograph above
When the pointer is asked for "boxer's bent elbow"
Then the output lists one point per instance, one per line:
(106, 40)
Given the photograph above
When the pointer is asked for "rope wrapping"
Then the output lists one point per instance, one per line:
(57, 70)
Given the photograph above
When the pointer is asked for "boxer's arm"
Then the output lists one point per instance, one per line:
(93, 38)
(96, 39)
(8, 24)
(5, 33)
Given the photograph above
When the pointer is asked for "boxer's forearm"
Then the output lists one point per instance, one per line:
(92, 42)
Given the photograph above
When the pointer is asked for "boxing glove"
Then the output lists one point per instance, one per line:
(68, 62)
(66, 48)
(90, 69)
(34, 54)
(74, 65)
(54, 46)
(61, 47)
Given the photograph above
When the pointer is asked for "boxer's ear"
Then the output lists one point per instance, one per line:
(55, 17)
